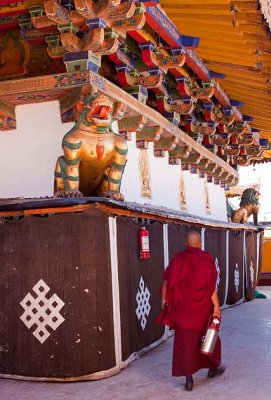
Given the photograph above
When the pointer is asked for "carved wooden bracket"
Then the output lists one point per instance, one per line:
(181, 152)
(179, 106)
(150, 133)
(242, 140)
(232, 150)
(220, 140)
(153, 56)
(204, 128)
(166, 143)
(132, 124)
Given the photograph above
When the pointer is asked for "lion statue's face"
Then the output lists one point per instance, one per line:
(96, 111)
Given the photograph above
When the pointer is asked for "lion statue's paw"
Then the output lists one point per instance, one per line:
(68, 194)
(110, 194)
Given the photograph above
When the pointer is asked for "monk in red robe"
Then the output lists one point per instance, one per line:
(189, 298)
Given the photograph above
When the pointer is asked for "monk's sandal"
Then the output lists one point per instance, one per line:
(216, 371)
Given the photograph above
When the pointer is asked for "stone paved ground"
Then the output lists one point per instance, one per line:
(246, 336)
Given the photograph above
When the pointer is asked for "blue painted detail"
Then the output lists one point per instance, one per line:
(254, 130)
(147, 2)
(236, 103)
(147, 46)
(76, 55)
(208, 105)
(165, 23)
(190, 118)
(224, 135)
(211, 123)
(91, 66)
(227, 111)
(123, 68)
(217, 75)
(247, 118)
(178, 51)
(155, 71)
(181, 79)
(187, 100)
(96, 23)
(193, 170)
(190, 41)
(264, 143)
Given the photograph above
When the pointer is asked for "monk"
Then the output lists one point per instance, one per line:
(189, 298)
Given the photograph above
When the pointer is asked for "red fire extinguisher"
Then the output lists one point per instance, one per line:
(209, 341)
(144, 245)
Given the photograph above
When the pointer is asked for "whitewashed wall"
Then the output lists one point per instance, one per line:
(28, 155)
(165, 186)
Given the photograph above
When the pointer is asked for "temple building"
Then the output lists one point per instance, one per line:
(123, 124)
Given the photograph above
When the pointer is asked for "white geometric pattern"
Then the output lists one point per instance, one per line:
(251, 268)
(143, 305)
(218, 273)
(41, 311)
(236, 277)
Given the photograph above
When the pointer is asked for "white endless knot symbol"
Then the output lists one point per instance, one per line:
(236, 277)
(143, 305)
(41, 311)
(218, 273)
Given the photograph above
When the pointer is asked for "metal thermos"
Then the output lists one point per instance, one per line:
(210, 338)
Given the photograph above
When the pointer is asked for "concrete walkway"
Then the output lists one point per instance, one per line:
(246, 337)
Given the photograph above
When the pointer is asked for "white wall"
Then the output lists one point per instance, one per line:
(218, 202)
(165, 186)
(164, 179)
(29, 153)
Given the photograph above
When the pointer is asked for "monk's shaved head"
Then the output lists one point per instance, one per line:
(193, 239)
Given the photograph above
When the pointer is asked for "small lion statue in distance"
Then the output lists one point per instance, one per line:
(249, 205)
(94, 156)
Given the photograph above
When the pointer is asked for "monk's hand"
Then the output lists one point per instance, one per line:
(217, 313)
(164, 304)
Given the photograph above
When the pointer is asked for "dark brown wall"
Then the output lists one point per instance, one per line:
(215, 243)
(71, 253)
(131, 269)
(235, 263)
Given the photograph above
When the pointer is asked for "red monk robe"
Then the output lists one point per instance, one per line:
(191, 280)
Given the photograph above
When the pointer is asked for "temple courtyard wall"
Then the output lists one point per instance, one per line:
(76, 300)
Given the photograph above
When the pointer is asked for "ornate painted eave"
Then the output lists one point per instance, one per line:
(171, 137)
(136, 46)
